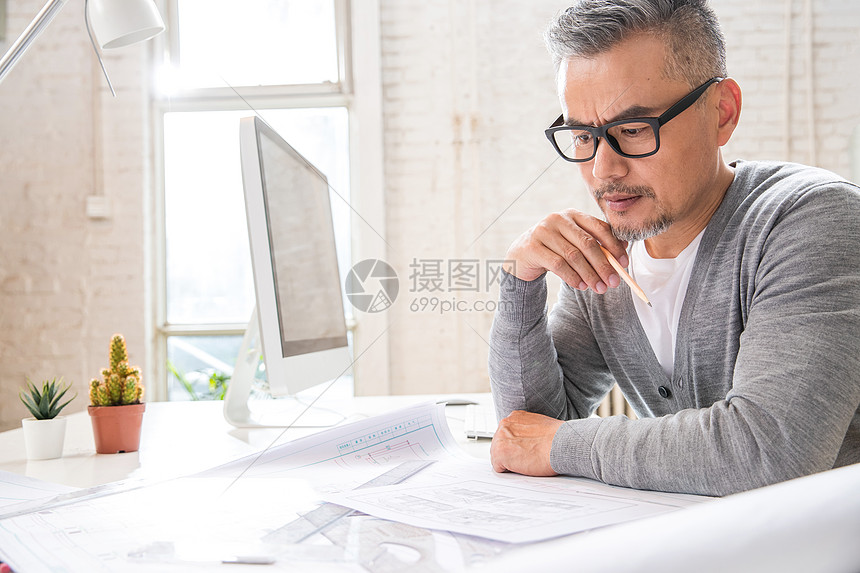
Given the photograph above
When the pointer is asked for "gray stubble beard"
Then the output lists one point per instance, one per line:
(651, 229)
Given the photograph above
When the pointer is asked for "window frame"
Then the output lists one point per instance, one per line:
(326, 94)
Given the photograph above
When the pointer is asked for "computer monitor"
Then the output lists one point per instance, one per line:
(298, 327)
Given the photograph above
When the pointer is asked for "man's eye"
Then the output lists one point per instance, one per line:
(581, 139)
(631, 130)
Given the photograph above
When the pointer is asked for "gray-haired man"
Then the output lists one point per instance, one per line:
(746, 370)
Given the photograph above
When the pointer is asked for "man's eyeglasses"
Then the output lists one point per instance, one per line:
(638, 137)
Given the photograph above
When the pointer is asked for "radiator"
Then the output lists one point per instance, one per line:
(615, 405)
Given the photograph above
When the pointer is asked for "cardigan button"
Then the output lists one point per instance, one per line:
(664, 392)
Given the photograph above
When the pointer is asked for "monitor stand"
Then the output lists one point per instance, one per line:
(285, 412)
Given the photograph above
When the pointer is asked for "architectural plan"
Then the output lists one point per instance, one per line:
(469, 498)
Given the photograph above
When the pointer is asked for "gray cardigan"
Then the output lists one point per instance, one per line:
(766, 383)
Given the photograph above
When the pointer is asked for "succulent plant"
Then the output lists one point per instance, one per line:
(45, 404)
(120, 384)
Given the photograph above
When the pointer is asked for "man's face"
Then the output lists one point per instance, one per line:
(671, 192)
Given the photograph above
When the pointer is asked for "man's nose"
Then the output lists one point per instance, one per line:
(607, 164)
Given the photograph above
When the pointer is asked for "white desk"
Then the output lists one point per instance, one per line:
(808, 524)
(180, 438)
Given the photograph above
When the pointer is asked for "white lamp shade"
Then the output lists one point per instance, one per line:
(119, 23)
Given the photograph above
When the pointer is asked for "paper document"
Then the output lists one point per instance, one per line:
(470, 498)
(199, 521)
(364, 447)
(162, 526)
(15, 489)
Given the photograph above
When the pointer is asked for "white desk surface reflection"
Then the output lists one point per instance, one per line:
(808, 524)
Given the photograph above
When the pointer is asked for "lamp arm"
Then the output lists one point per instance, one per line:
(39, 23)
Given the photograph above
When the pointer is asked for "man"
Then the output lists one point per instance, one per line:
(746, 369)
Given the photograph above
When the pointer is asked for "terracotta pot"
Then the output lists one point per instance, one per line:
(116, 429)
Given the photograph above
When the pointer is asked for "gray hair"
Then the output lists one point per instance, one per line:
(695, 45)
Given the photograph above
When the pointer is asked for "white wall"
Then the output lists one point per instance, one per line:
(467, 91)
(68, 282)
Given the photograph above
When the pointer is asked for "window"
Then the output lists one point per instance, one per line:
(286, 61)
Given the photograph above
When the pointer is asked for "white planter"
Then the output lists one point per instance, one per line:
(43, 439)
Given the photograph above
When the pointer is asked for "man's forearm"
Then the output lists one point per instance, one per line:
(524, 371)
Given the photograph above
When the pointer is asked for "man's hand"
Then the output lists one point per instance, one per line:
(567, 243)
(522, 444)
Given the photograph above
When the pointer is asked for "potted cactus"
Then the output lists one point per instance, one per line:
(45, 431)
(116, 409)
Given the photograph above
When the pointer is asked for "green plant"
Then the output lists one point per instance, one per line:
(45, 404)
(121, 384)
(217, 383)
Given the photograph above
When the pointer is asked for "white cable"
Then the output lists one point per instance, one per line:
(95, 46)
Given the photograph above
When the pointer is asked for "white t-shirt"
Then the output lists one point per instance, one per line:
(665, 282)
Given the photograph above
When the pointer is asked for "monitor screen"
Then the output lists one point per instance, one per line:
(302, 246)
(298, 326)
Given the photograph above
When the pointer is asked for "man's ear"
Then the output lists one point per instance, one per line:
(729, 105)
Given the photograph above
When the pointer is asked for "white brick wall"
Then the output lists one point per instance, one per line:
(756, 39)
(67, 282)
(467, 92)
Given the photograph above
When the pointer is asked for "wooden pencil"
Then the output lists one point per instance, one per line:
(627, 278)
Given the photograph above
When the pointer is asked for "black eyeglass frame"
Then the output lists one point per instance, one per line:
(601, 132)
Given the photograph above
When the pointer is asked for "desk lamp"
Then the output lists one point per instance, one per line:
(116, 23)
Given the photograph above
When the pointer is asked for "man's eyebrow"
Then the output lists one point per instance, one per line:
(631, 112)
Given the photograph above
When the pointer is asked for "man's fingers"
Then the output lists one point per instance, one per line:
(568, 244)
(497, 466)
(589, 234)
(589, 261)
(522, 444)
(601, 231)
(495, 454)
(577, 255)
(562, 267)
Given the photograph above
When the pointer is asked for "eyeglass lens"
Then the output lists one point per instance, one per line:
(629, 138)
